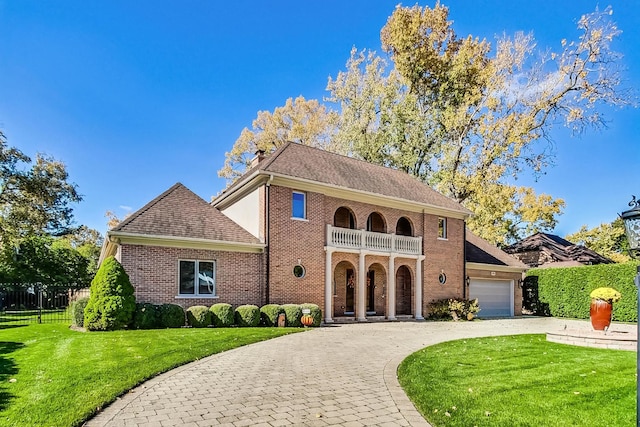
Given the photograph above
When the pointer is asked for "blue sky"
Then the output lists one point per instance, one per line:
(135, 96)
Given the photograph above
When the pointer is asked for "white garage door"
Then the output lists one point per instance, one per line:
(494, 296)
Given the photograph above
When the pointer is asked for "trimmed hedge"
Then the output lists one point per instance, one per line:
(247, 316)
(171, 316)
(146, 316)
(269, 314)
(222, 315)
(315, 312)
(198, 316)
(566, 290)
(293, 314)
(112, 300)
(77, 311)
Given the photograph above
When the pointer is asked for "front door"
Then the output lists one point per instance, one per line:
(371, 291)
(351, 284)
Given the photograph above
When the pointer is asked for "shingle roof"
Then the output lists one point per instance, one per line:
(559, 249)
(309, 163)
(179, 212)
(480, 251)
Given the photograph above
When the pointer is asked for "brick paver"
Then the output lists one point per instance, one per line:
(338, 375)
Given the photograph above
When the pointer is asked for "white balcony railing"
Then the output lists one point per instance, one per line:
(380, 242)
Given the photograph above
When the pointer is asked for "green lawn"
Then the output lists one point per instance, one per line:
(63, 376)
(521, 381)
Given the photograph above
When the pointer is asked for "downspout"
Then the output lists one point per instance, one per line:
(266, 237)
(464, 256)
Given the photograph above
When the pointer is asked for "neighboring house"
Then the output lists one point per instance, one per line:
(307, 225)
(548, 250)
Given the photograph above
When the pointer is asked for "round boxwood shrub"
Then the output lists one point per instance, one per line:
(198, 316)
(146, 316)
(293, 313)
(111, 301)
(315, 312)
(269, 314)
(222, 315)
(248, 316)
(171, 316)
(77, 311)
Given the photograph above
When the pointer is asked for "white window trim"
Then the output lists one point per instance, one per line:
(444, 228)
(196, 285)
(304, 206)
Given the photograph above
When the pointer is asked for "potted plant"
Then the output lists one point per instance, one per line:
(602, 300)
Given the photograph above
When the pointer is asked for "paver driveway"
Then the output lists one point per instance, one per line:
(339, 375)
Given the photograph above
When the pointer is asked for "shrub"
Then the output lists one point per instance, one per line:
(111, 301)
(453, 309)
(198, 316)
(222, 315)
(566, 290)
(269, 314)
(315, 312)
(293, 313)
(248, 316)
(146, 316)
(77, 311)
(171, 316)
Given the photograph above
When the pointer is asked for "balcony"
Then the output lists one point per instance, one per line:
(346, 238)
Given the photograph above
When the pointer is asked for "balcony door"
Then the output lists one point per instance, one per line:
(349, 307)
(371, 300)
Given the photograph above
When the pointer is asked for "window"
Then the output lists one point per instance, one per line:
(442, 228)
(299, 271)
(197, 278)
(298, 205)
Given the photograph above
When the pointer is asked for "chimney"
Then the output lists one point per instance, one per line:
(260, 156)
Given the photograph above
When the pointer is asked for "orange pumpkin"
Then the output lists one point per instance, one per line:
(307, 320)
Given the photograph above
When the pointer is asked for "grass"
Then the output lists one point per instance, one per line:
(62, 377)
(521, 381)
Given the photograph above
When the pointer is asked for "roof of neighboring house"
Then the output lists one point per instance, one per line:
(559, 249)
(313, 164)
(480, 251)
(179, 212)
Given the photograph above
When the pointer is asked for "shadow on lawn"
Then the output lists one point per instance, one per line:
(8, 368)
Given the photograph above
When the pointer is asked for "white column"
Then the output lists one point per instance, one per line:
(328, 289)
(418, 298)
(361, 310)
(391, 289)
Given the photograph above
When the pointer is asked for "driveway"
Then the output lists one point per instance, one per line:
(339, 375)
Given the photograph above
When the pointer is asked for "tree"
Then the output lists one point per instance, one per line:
(299, 120)
(112, 301)
(464, 118)
(607, 239)
(34, 200)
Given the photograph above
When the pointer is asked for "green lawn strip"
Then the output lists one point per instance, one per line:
(62, 376)
(521, 381)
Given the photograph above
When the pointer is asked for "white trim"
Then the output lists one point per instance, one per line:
(493, 267)
(121, 237)
(336, 191)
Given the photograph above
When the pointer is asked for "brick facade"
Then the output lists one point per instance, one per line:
(153, 271)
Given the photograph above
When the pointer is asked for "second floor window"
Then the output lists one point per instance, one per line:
(298, 205)
(442, 228)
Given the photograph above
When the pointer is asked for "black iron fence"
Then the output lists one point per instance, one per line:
(24, 303)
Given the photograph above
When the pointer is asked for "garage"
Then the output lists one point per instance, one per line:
(494, 296)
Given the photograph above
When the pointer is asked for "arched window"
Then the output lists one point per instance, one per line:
(376, 223)
(344, 218)
(403, 227)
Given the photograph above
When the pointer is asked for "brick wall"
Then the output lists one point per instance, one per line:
(153, 271)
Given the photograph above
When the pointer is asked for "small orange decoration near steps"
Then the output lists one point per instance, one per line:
(307, 320)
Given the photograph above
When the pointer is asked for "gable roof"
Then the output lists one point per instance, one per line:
(558, 249)
(313, 165)
(478, 250)
(180, 213)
